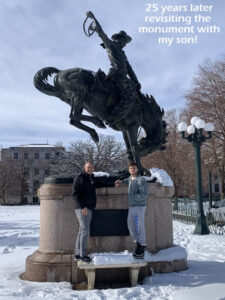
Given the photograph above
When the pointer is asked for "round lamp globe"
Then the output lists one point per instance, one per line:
(209, 127)
(191, 129)
(182, 126)
(200, 124)
(194, 120)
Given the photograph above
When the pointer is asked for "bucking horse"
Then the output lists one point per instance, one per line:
(95, 93)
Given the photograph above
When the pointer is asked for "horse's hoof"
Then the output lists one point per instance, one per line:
(95, 137)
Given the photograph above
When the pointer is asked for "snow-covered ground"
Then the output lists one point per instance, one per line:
(205, 278)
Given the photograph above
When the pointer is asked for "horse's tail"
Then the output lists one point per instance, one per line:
(41, 83)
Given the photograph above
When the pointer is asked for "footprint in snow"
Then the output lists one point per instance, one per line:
(9, 249)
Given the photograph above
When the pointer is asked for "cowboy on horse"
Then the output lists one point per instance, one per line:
(127, 88)
(114, 99)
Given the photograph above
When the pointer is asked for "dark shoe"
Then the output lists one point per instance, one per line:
(136, 249)
(86, 259)
(140, 253)
(76, 257)
(140, 256)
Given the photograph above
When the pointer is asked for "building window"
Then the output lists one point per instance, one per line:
(24, 200)
(36, 185)
(35, 199)
(36, 155)
(47, 156)
(57, 154)
(36, 171)
(25, 155)
(26, 189)
(47, 172)
(26, 172)
(15, 155)
(217, 188)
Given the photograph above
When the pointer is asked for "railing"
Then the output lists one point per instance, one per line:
(215, 220)
(187, 215)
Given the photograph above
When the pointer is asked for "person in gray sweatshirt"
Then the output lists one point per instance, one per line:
(137, 196)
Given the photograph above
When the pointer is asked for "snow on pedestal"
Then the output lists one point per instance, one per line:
(161, 176)
(170, 254)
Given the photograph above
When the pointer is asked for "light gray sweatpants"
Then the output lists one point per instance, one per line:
(83, 233)
(136, 224)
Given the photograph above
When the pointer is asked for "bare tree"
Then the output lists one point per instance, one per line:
(108, 156)
(13, 179)
(177, 159)
(206, 99)
(58, 162)
(7, 178)
(22, 168)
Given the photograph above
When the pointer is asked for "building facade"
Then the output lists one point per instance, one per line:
(216, 184)
(31, 162)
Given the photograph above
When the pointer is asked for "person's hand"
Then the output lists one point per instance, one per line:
(90, 14)
(84, 211)
(118, 183)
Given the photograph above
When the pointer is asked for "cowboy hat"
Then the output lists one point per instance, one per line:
(123, 34)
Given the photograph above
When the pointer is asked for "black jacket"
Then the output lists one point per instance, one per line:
(84, 187)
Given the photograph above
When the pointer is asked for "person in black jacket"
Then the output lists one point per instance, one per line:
(84, 195)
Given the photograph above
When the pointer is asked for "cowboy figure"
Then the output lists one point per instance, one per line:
(127, 87)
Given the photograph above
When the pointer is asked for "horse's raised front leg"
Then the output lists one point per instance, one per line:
(76, 112)
(91, 131)
(76, 116)
(132, 138)
(129, 152)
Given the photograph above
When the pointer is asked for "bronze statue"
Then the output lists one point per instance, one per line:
(114, 99)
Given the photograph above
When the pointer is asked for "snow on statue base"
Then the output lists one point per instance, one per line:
(54, 259)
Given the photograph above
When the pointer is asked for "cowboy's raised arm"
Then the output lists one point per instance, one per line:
(98, 29)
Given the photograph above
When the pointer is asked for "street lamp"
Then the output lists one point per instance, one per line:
(196, 137)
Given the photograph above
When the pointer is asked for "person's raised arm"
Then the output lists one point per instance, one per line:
(97, 27)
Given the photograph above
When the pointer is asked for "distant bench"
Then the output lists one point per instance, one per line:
(89, 268)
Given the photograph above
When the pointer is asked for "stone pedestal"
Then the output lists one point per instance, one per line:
(53, 261)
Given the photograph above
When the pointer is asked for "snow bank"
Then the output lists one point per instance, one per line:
(169, 254)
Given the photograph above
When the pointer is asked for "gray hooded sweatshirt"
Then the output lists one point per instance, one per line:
(137, 191)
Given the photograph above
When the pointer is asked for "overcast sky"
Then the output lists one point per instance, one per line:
(39, 33)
